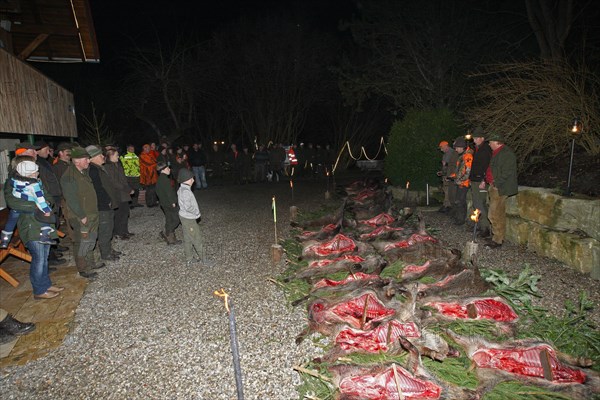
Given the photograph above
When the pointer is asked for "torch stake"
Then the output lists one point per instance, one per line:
(233, 343)
(475, 231)
(236, 354)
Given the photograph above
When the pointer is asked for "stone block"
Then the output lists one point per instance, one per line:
(555, 211)
(580, 253)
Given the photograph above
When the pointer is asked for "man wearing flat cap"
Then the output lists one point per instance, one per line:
(82, 206)
(501, 176)
(167, 198)
(52, 185)
(108, 200)
(481, 160)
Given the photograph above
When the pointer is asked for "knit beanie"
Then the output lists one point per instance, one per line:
(184, 175)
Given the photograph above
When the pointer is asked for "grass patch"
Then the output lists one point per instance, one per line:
(453, 370)
(519, 391)
(394, 270)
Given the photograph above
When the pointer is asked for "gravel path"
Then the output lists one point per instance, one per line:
(150, 328)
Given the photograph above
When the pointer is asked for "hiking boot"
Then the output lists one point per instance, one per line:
(5, 238)
(15, 327)
(171, 239)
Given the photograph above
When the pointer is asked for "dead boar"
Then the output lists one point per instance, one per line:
(338, 245)
(359, 310)
(437, 268)
(386, 338)
(494, 309)
(371, 264)
(468, 282)
(391, 382)
(326, 232)
(530, 361)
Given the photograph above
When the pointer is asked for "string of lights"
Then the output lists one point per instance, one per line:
(361, 153)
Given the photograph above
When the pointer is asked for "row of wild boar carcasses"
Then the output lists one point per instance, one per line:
(367, 313)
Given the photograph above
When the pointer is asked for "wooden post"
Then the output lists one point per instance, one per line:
(470, 251)
(293, 213)
(276, 253)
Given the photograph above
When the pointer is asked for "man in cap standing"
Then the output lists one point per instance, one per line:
(461, 179)
(501, 175)
(52, 185)
(481, 160)
(108, 200)
(82, 206)
(448, 167)
(168, 202)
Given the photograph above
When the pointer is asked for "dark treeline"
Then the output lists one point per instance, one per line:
(292, 75)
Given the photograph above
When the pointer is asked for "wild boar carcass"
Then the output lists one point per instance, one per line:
(436, 268)
(386, 338)
(529, 361)
(415, 248)
(360, 310)
(324, 233)
(391, 382)
(371, 264)
(338, 245)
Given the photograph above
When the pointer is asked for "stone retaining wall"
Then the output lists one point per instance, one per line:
(564, 228)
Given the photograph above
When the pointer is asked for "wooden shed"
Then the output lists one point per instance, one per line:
(41, 31)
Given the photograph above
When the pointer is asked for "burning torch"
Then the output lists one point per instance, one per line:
(475, 218)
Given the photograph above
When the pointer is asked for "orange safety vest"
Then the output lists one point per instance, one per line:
(463, 169)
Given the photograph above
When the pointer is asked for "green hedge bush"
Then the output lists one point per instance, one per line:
(413, 153)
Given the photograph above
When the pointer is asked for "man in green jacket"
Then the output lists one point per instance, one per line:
(501, 175)
(168, 202)
(82, 206)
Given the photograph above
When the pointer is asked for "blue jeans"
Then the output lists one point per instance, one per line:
(38, 268)
(11, 222)
(200, 173)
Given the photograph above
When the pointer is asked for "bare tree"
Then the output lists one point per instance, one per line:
(414, 53)
(96, 130)
(533, 104)
(157, 88)
(551, 21)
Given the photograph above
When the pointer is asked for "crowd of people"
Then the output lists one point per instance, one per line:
(485, 168)
(91, 191)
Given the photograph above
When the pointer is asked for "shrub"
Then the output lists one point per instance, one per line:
(533, 105)
(413, 153)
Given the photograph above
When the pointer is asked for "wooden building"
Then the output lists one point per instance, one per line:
(41, 31)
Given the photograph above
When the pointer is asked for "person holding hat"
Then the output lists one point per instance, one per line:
(24, 192)
(167, 198)
(448, 166)
(82, 209)
(481, 160)
(188, 215)
(108, 200)
(501, 177)
(461, 179)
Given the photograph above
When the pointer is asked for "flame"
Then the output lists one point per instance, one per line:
(475, 216)
(407, 184)
(291, 184)
(385, 180)
(225, 297)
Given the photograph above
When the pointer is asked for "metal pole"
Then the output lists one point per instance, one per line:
(236, 354)
(568, 192)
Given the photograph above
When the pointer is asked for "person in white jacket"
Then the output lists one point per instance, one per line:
(189, 214)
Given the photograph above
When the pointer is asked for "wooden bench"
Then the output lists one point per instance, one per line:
(16, 248)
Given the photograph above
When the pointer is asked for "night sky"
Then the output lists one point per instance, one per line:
(122, 25)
